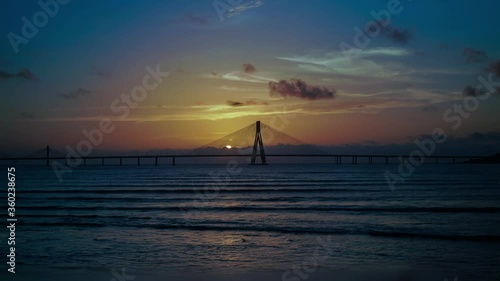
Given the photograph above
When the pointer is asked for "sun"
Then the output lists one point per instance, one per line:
(228, 147)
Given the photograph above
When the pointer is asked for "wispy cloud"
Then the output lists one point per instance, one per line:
(102, 73)
(239, 76)
(469, 91)
(395, 34)
(495, 68)
(76, 94)
(250, 102)
(246, 5)
(27, 115)
(398, 35)
(195, 19)
(471, 55)
(247, 74)
(344, 103)
(212, 74)
(359, 63)
(24, 74)
(239, 89)
(430, 108)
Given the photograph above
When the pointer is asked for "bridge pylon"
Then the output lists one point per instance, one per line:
(258, 143)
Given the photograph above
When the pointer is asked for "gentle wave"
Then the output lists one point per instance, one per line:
(261, 209)
(188, 198)
(209, 190)
(289, 230)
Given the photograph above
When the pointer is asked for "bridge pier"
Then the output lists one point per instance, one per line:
(138, 161)
(156, 161)
(173, 160)
(48, 156)
(120, 161)
(102, 161)
(386, 160)
(84, 161)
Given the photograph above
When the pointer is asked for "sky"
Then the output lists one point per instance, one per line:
(330, 73)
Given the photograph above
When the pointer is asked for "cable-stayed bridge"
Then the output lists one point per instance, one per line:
(247, 142)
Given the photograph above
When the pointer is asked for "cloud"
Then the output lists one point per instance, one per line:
(234, 103)
(395, 34)
(104, 74)
(76, 94)
(430, 108)
(101, 73)
(234, 11)
(250, 102)
(239, 76)
(495, 68)
(240, 89)
(198, 20)
(472, 55)
(372, 103)
(361, 62)
(27, 115)
(5, 75)
(398, 35)
(248, 68)
(469, 91)
(27, 74)
(215, 74)
(24, 73)
(335, 57)
(246, 74)
(299, 89)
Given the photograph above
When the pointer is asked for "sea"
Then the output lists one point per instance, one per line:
(293, 221)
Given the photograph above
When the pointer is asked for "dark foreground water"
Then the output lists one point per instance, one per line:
(318, 220)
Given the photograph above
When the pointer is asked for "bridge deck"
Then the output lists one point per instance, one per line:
(338, 157)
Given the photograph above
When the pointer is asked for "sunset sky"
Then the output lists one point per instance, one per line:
(225, 72)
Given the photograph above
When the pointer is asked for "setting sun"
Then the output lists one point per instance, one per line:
(228, 147)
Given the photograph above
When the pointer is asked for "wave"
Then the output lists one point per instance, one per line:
(233, 188)
(199, 190)
(189, 198)
(276, 209)
(287, 230)
(85, 216)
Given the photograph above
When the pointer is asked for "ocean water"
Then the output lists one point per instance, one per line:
(215, 218)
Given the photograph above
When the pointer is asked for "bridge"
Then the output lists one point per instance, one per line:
(239, 141)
